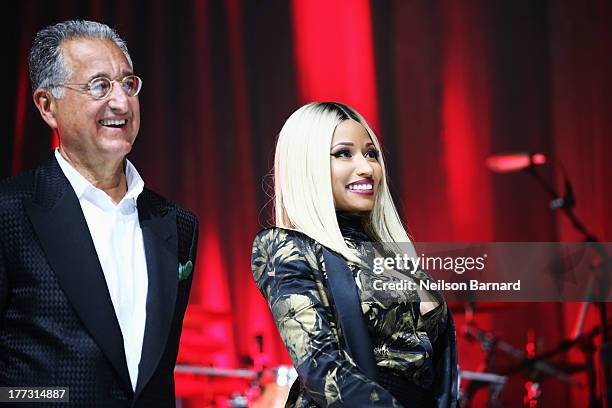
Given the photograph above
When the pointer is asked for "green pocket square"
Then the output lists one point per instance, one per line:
(185, 270)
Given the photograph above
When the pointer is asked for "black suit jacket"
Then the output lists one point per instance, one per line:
(57, 323)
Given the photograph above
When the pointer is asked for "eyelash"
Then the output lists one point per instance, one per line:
(345, 152)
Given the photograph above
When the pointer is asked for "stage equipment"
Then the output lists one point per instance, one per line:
(242, 388)
(512, 162)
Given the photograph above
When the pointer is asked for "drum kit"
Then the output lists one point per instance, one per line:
(534, 367)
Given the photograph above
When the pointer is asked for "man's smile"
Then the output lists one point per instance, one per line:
(114, 123)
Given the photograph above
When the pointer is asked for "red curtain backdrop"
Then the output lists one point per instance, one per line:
(334, 54)
(444, 84)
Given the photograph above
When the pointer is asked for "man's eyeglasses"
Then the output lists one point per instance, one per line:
(101, 87)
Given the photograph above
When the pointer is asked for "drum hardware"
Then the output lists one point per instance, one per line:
(536, 363)
(268, 388)
(488, 344)
(496, 385)
(484, 377)
(533, 392)
(216, 372)
(255, 387)
(274, 387)
(530, 362)
(586, 343)
(601, 260)
(239, 401)
(533, 364)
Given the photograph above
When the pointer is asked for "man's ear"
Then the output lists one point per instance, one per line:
(47, 105)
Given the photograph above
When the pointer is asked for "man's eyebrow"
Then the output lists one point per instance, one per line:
(105, 75)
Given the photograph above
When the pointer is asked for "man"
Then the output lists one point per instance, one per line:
(95, 269)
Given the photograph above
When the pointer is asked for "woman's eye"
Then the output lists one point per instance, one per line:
(372, 154)
(342, 153)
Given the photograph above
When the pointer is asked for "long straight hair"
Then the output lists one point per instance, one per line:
(303, 197)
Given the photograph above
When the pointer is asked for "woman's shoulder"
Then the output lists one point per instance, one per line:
(287, 244)
(277, 236)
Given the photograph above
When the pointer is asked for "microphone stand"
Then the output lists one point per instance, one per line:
(566, 204)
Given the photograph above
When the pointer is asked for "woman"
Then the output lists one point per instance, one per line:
(351, 344)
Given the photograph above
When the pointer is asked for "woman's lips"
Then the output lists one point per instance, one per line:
(362, 187)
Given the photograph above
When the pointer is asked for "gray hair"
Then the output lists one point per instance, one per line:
(46, 61)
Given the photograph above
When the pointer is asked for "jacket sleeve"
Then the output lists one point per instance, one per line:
(282, 265)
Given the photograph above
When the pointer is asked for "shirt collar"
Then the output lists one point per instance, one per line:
(81, 185)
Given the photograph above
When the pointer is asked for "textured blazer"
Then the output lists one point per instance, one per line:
(331, 354)
(58, 327)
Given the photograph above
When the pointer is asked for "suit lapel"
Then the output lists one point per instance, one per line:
(59, 223)
(160, 241)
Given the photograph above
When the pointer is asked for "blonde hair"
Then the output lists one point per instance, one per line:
(303, 197)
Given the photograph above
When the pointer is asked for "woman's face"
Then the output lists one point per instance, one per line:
(355, 170)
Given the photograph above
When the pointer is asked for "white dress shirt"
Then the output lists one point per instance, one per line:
(117, 237)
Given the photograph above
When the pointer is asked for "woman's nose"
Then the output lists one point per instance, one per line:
(364, 169)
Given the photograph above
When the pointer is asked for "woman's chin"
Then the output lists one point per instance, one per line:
(356, 207)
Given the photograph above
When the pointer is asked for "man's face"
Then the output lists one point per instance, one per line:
(89, 128)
